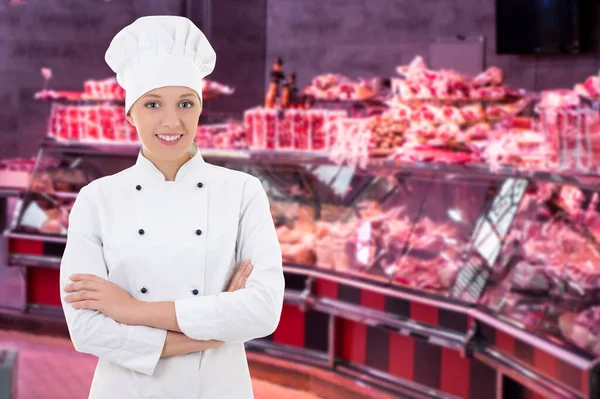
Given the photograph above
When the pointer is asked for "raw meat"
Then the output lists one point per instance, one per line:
(337, 87)
(521, 148)
(291, 129)
(422, 83)
(583, 329)
(425, 153)
(102, 123)
(473, 113)
(231, 135)
(107, 89)
(493, 76)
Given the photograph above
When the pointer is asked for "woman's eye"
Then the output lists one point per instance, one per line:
(187, 104)
(153, 104)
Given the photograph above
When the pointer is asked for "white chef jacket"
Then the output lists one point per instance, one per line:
(175, 241)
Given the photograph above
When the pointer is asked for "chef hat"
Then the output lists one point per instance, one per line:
(158, 51)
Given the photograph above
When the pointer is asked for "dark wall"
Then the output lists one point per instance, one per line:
(71, 37)
(239, 38)
(370, 37)
(355, 37)
(68, 36)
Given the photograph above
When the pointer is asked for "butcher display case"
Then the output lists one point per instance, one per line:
(438, 280)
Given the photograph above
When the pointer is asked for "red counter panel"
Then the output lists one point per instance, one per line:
(43, 286)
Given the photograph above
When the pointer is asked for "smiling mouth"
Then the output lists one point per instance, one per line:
(169, 137)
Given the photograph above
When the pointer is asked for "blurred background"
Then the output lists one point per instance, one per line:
(432, 168)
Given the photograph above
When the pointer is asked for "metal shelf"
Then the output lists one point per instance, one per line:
(50, 262)
(571, 355)
(375, 284)
(11, 192)
(449, 171)
(64, 194)
(387, 321)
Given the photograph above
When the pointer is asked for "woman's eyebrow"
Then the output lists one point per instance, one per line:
(157, 96)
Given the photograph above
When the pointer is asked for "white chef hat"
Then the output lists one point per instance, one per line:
(158, 51)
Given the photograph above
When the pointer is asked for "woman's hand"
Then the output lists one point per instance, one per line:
(240, 277)
(179, 344)
(95, 293)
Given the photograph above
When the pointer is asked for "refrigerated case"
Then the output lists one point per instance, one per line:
(439, 280)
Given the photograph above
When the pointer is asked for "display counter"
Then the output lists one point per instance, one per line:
(423, 279)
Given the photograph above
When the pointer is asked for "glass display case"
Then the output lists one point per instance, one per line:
(413, 229)
(518, 250)
(552, 283)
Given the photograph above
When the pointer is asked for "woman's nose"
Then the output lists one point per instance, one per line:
(171, 119)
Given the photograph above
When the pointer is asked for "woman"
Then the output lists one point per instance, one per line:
(151, 250)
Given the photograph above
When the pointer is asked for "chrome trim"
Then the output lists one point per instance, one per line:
(527, 337)
(50, 262)
(11, 192)
(306, 293)
(4, 244)
(293, 297)
(331, 342)
(471, 341)
(555, 350)
(387, 321)
(131, 150)
(583, 180)
(64, 194)
(551, 389)
(394, 292)
(45, 311)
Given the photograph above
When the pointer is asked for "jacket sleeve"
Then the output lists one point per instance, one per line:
(252, 312)
(133, 347)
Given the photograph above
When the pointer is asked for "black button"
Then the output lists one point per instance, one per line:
(195, 292)
(200, 185)
(198, 232)
(141, 231)
(138, 187)
(144, 290)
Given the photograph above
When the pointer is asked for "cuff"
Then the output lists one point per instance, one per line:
(198, 317)
(145, 345)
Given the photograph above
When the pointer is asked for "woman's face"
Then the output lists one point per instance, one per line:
(166, 120)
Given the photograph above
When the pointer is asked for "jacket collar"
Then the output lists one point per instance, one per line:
(191, 170)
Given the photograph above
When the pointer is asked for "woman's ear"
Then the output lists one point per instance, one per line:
(130, 120)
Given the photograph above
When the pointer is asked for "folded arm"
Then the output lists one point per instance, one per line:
(134, 347)
(248, 313)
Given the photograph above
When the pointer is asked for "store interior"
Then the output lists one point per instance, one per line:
(432, 169)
